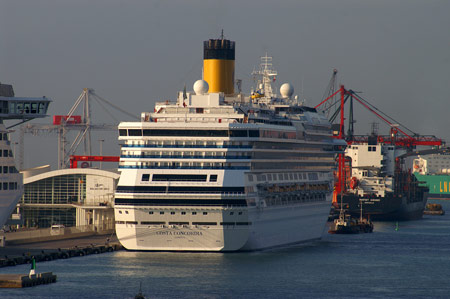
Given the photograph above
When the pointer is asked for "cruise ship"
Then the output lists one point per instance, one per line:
(219, 171)
(21, 109)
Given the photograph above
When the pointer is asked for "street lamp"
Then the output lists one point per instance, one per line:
(101, 150)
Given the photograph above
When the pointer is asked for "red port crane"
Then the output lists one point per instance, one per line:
(397, 136)
(74, 159)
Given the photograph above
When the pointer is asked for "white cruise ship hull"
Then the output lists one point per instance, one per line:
(286, 225)
(11, 181)
(263, 228)
(8, 202)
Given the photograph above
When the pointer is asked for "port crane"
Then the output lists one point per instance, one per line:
(397, 136)
(74, 159)
(329, 91)
(71, 122)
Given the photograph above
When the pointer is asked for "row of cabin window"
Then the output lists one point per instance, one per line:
(8, 169)
(8, 186)
(187, 144)
(284, 176)
(6, 153)
(188, 155)
(189, 133)
(182, 213)
(219, 165)
(209, 133)
(179, 177)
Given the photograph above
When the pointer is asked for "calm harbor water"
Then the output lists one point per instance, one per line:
(411, 262)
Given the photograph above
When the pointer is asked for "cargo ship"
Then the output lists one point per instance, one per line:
(217, 170)
(373, 177)
(434, 171)
(378, 183)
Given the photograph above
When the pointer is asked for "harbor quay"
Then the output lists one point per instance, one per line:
(22, 251)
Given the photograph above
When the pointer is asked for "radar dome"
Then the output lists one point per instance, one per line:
(201, 87)
(286, 90)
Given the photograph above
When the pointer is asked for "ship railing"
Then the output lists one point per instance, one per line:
(228, 194)
(185, 146)
(57, 231)
(184, 157)
(184, 167)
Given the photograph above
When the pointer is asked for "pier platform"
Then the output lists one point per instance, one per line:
(24, 280)
(12, 255)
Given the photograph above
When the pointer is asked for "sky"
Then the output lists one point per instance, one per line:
(134, 53)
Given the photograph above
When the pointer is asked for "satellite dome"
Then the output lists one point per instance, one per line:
(201, 87)
(286, 90)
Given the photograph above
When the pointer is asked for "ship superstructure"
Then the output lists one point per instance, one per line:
(373, 177)
(211, 172)
(378, 185)
(22, 109)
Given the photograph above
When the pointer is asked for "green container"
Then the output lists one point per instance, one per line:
(439, 184)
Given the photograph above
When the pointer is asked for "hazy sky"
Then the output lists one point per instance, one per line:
(133, 53)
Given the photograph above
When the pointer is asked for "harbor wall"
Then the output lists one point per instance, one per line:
(48, 234)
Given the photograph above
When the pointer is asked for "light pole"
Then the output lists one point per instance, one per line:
(101, 150)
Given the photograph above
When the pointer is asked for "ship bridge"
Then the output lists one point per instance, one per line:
(22, 108)
(25, 108)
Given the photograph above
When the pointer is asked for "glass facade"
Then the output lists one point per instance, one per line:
(46, 217)
(63, 189)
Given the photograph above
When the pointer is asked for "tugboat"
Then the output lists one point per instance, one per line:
(346, 224)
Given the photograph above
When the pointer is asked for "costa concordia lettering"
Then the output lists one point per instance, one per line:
(184, 233)
(216, 170)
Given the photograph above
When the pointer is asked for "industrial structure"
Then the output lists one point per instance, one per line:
(69, 197)
(372, 172)
(62, 124)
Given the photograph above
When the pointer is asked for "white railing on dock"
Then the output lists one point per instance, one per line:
(56, 231)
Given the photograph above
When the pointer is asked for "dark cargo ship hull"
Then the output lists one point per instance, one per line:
(389, 208)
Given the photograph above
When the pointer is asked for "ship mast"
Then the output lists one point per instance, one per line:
(268, 75)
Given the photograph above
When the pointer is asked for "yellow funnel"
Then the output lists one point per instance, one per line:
(218, 65)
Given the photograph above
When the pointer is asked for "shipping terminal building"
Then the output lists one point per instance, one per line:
(81, 197)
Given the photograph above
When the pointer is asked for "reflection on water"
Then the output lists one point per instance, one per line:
(413, 261)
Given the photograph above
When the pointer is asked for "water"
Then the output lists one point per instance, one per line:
(412, 262)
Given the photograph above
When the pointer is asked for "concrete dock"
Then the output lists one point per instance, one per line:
(12, 255)
(23, 280)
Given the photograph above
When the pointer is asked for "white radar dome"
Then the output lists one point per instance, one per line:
(286, 90)
(201, 87)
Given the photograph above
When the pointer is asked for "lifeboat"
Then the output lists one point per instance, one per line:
(353, 183)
